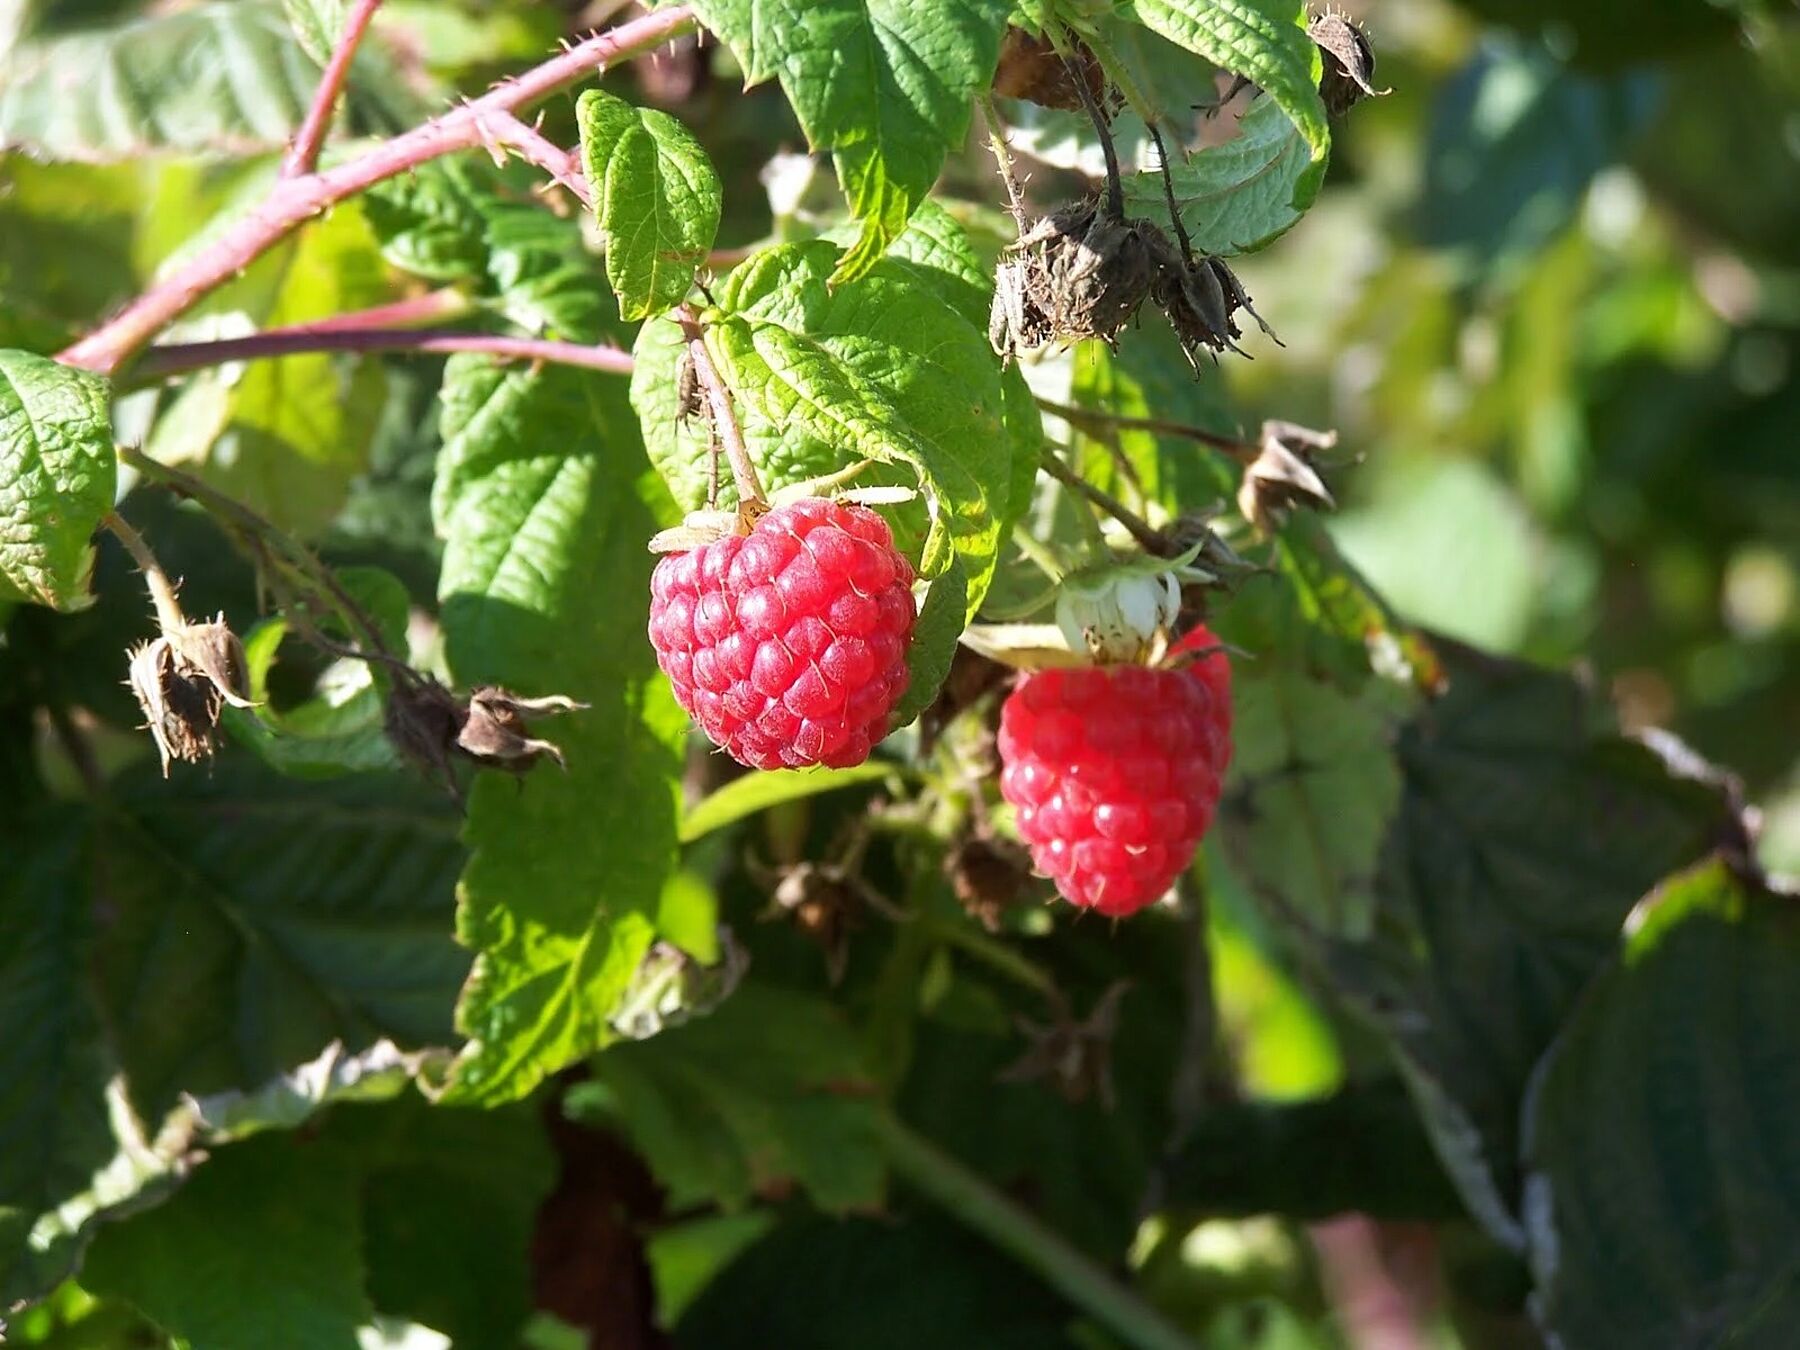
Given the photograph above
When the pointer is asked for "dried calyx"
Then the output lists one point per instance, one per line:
(1349, 62)
(1285, 474)
(183, 679)
(1201, 296)
(1080, 272)
(433, 727)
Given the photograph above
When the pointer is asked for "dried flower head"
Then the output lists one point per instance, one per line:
(1078, 273)
(1073, 1056)
(182, 680)
(432, 727)
(1202, 297)
(1349, 62)
(1285, 474)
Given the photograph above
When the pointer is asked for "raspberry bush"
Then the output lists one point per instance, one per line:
(583, 613)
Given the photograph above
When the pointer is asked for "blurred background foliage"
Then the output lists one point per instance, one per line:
(1550, 298)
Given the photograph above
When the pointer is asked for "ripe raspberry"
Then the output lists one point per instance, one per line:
(1114, 772)
(788, 645)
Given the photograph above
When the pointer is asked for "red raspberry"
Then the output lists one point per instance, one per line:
(788, 645)
(1114, 771)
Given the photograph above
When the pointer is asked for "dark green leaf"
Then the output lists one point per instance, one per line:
(877, 1284)
(53, 1068)
(254, 919)
(545, 505)
(1663, 1140)
(260, 1248)
(657, 197)
(1525, 835)
(767, 1088)
(56, 460)
(1313, 786)
(885, 85)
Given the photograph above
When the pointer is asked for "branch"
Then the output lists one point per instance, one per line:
(563, 166)
(724, 415)
(177, 358)
(1241, 450)
(1009, 1226)
(295, 200)
(1135, 525)
(303, 154)
(162, 591)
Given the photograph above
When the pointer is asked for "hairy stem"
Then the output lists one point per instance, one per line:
(1234, 446)
(1135, 525)
(162, 590)
(1003, 160)
(1012, 1228)
(1115, 186)
(724, 414)
(303, 154)
(271, 547)
(1168, 182)
(295, 200)
(180, 357)
(563, 166)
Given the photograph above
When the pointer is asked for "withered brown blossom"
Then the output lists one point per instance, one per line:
(182, 680)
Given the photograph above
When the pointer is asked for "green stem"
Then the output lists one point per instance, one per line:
(1006, 1224)
(996, 956)
(1038, 553)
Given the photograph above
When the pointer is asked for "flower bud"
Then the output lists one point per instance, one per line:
(1120, 613)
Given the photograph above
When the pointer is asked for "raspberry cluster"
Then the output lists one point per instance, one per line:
(1114, 771)
(788, 645)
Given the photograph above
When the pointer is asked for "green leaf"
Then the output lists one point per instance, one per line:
(448, 1190)
(657, 197)
(286, 436)
(56, 459)
(225, 79)
(53, 1069)
(1313, 786)
(1240, 195)
(1663, 1138)
(1524, 837)
(545, 503)
(1265, 41)
(885, 85)
(260, 1248)
(254, 919)
(317, 24)
(341, 726)
(757, 792)
(766, 1089)
(912, 1279)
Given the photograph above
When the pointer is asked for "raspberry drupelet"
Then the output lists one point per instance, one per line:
(788, 645)
(1114, 772)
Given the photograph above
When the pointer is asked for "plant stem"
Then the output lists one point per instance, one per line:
(303, 154)
(1135, 525)
(563, 166)
(293, 201)
(1115, 186)
(1025, 1237)
(996, 137)
(267, 545)
(724, 414)
(180, 357)
(1238, 449)
(996, 955)
(162, 591)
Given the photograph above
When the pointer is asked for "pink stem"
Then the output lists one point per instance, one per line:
(414, 312)
(563, 166)
(178, 358)
(303, 154)
(295, 200)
